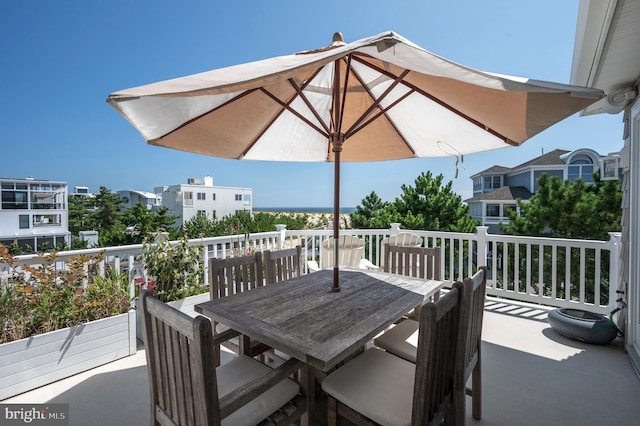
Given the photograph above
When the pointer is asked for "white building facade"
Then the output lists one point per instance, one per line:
(201, 197)
(132, 197)
(33, 213)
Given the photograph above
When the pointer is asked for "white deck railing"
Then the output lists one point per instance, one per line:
(548, 271)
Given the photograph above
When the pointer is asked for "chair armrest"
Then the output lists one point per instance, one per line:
(313, 266)
(366, 264)
(249, 391)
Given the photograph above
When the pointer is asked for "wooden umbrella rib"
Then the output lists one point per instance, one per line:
(264, 129)
(383, 111)
(299, 91)
(344, 91)
(287, 107)
(437, 100)
(376, 102)
(230, 101)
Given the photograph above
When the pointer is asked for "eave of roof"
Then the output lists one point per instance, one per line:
(505, 193)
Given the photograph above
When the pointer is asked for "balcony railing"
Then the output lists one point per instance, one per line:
(547, 271)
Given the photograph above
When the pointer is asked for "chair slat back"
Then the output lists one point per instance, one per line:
(351, 249)
(399, 239)
(441, 328)
(282, 265)
(477, 286)
(419, 262)
(235, 274)
(182, 382)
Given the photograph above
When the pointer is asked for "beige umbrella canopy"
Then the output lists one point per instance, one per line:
(379, 98)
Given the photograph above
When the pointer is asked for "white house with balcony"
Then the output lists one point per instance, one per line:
(201, 197)
(131, 197)
(497, 189)
(33, 213)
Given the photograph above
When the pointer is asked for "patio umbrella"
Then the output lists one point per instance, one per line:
(379, 98)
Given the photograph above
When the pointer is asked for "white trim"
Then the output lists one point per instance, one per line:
(594, 22)
(633, 298)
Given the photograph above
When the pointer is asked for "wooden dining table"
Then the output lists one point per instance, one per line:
(303, 318)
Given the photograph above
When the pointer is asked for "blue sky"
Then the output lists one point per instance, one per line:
(61, 59)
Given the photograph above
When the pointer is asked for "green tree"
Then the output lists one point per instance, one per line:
(241, 223)
(199, 227)
(372, 214)
(146, 221)
(108, 212)
(565, 209)
(430, 205)
(80, 214)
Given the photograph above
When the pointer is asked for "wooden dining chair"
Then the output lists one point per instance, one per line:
(418, 262)
(377, 387)
(400, 239)
(230, 276)
(186, 388)
(280, 265)
(402, 341)
(413, 261)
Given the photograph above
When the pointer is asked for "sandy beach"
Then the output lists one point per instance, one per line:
(318, 220)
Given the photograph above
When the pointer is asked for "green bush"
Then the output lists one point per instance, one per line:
(36, 300)
(177, 271)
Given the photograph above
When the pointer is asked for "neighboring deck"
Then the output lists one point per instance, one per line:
(531, 376)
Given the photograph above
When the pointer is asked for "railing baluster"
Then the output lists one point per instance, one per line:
(512, 260)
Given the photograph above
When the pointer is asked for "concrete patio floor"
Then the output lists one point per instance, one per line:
(531, 376)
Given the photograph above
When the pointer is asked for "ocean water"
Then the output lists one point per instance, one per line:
(304, 209)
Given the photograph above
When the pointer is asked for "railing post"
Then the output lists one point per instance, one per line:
(482, 238)
(394, 229)
(205, 264)
(132, 281)
(614, 268)
(281, 230)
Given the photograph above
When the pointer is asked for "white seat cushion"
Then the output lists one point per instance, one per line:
(401, 340)
(241, 370)
(376, 384)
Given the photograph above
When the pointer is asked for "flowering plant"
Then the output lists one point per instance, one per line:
(177, 269)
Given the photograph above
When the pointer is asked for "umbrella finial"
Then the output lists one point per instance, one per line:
(337, 40)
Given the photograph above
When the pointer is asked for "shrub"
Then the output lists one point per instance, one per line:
(35, 300)
(177, 270)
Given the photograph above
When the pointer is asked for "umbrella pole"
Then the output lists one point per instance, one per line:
(337, 148)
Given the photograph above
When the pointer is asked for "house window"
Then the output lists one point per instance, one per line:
(24, 221)
(14, 200)
(202, 213)
(46, 220)
(492, 182)
(238, 197)
(201, 196)
(493, 210)
(213, 214)
(213, 196)
(247, 198)
(187, 196)
(581, 166)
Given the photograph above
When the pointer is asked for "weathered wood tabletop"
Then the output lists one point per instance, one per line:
(303, 318)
